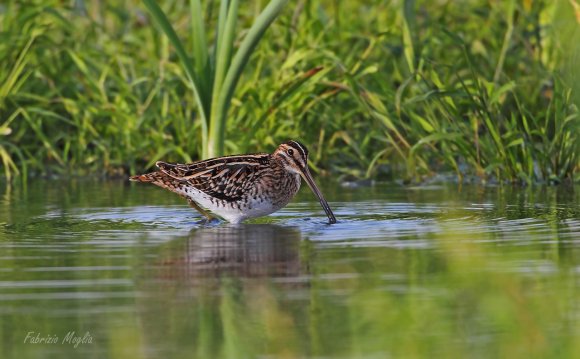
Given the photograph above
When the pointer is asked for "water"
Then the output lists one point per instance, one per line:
(422, 272)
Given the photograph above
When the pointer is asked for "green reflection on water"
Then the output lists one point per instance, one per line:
(413, 273)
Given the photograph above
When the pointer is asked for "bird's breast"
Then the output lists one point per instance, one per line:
(281, 189)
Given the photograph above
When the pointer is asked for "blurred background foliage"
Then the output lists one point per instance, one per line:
(376, 89)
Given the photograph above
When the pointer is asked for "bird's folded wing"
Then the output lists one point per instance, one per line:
(226, 178)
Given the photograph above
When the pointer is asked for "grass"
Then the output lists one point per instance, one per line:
(488, 90)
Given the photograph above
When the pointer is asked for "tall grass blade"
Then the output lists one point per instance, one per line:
(222, 62)
(408, 33)
(223, 15)
(506, 40)
(256, 32)
(9, 82)
(163, 22)
(200, 51)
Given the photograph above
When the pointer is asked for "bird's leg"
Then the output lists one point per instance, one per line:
(194, 205)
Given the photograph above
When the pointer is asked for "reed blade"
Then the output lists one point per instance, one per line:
(239, 61)
(187, 63)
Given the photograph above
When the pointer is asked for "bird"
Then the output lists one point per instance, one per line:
(240, 187)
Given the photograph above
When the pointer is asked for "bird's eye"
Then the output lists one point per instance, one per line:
(290, 152)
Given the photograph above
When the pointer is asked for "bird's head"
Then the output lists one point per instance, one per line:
(293, 155)
(294, 158)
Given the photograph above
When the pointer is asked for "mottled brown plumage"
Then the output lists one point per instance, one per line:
(240, 187)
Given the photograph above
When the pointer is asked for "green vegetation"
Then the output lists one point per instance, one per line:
(375, 88)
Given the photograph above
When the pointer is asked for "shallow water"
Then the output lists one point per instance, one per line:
(437, 271)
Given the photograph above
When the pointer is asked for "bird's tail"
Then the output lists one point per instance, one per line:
(148, 177)
(160, 179)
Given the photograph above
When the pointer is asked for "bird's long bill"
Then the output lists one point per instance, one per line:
(308, 177)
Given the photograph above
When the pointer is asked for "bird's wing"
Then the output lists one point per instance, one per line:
(226, 178)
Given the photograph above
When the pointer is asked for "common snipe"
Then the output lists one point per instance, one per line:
(240, 187)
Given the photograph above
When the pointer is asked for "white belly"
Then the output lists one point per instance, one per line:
(230, 211)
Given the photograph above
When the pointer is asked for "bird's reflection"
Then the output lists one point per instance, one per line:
(246, 250)
(213, 282)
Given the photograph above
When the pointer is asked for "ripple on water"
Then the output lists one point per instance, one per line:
(149, 216)
(380, 223)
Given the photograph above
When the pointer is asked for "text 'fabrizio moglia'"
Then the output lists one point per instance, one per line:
(71, 338)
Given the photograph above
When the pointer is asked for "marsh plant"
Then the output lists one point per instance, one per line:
(214, 72)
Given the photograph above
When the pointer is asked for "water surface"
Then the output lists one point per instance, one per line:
(439, 271)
